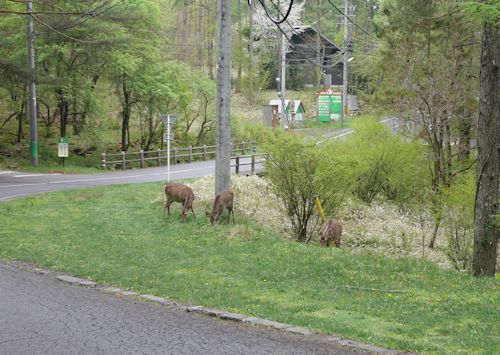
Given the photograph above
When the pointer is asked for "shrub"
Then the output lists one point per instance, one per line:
(300, 171)
(458, 220)
(387, 164)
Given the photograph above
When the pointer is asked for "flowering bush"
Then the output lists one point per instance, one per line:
(380, 228)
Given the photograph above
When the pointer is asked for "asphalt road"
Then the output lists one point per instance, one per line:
(40, 315)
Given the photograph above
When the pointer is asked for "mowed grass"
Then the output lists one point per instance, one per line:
(118, 236)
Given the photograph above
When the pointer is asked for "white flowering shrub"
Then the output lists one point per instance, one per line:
(380, 228)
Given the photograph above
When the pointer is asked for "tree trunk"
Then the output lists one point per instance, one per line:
(201, 33)
(250, 51)
(63, 114)
(125, 116)
(318, 44)
(488, 161)
(210, 45)
(240, 54)
(20, 116)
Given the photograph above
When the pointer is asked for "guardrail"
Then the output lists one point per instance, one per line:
(177, 155)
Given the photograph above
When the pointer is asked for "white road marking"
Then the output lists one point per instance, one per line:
(8, 172)
(34, 175)
(19, 185)
(103, 178)
(12, 196)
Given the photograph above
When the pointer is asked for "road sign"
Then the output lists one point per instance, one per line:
(168, 119)
(168, 137)
(62, 147)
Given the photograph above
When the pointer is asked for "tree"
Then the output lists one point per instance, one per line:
(488, 150)
(425, 62)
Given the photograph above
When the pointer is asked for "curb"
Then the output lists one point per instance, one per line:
(211, 312)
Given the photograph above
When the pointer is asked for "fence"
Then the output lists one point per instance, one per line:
(255, 161)
(177, 155)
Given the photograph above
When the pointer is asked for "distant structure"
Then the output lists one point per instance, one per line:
(304, 46)
(293, 108)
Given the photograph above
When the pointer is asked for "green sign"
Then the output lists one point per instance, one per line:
(329, 106)
(63, 139)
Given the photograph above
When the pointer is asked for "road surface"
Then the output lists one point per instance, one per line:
(40, 315)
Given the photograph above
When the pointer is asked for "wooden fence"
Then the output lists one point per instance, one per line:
(254, 160)
(158, 157)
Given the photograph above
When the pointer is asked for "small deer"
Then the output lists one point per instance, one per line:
(176, 192)
(222, 200)
(331, 231)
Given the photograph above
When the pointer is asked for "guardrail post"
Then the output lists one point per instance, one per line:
(237, 165)
(142, 159)
(190, 153)
(158, 156)
(204, 152)
(123, 159)
(174, 156)
(243, 148)
(103, 161)
(252, 170)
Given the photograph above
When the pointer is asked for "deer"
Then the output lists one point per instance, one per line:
(176, 192)
(222, 200)
(331, 231)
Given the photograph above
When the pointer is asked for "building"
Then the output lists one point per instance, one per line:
(302, 58)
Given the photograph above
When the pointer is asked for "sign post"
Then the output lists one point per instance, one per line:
(168, 121)
(62, 148)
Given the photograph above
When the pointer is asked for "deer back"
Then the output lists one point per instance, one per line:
(331, 231)
(179, 193)
(222, 200)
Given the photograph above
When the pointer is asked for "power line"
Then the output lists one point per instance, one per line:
(276, 22)
(349, 19)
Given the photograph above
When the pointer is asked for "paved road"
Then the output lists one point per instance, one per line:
(40, 315)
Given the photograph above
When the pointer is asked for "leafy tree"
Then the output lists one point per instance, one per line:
(431, 90)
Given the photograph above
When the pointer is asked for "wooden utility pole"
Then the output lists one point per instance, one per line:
(223, 112)
(345, 82)
(31, 89)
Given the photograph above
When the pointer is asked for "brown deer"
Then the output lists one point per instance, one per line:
(176, 192)
(222, 200)
(331, 231)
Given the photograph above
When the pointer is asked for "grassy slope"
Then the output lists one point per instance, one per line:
(119, 236)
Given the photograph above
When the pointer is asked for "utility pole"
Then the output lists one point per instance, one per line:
(283, 80)
(345, 83)
(31, 89)
(223, 112)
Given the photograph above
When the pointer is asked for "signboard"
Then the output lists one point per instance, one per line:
(329, 106)
(62, 147)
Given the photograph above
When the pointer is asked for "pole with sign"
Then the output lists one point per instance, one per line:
(62, 148)
(168, 121)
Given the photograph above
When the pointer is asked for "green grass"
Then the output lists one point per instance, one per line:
(118, 236)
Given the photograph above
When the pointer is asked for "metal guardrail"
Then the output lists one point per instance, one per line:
(177, 155)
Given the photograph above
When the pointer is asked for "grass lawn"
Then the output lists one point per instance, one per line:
(118, 236)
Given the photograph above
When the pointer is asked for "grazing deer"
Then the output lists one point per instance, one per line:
(176, 192)
(331, 231)
(222, 200)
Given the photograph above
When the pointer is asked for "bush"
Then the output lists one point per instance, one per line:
(299, 172)
(388, 165)
(458, 219)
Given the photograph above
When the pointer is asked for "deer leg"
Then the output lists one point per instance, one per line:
(168, 207)
(193, 212)
(229, 215)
